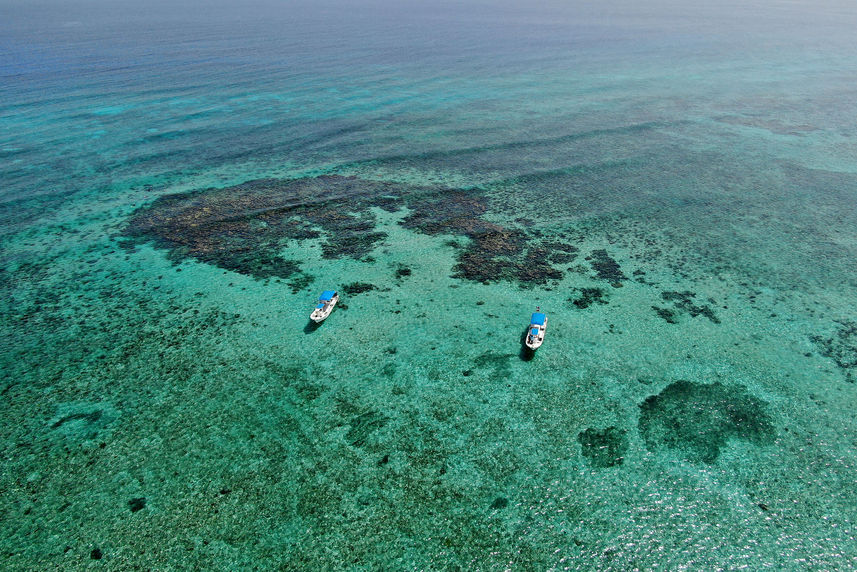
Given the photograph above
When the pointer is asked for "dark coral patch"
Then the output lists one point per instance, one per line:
(137, 504)
(402, 272)
(450, 212)
(605, 448)
(588, 296)
(841, 348)
(606, 268)
(560, 252)
(668, 315)
(683, 302)
(698, 419)
(495, 252)
(245, 228)
(500, 503)
(358, 288)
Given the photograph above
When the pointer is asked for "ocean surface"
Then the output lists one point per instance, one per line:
(673, 183)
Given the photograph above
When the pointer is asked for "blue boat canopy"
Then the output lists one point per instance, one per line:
(534, 332)
(327, 295)
(319, 307)
(538, 319)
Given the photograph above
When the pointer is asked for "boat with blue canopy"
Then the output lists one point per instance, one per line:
(324, 307)
(536, 330)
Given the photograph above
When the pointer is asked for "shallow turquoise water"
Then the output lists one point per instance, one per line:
(673, 186)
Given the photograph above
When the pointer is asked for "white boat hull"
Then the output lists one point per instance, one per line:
(534, 342)
(320, 314)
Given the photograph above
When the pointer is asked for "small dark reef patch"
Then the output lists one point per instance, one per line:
(500, 503)
(604, 448)
(606, 268)
(137, 504)
(698, 419)
(358, 288)
(683, 303)
(588, 296)
(841, 347)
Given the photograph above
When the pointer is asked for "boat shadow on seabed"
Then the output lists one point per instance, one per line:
(526, 353)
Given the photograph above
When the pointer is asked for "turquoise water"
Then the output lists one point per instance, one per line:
(674, 186)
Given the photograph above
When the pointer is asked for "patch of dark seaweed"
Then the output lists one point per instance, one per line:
(500, 503)
(358, 288)
(137, 504)
(560, 252)
(667, 314)
(300, 282)
(494, 252)
(534, 269)
(604, 448)
(683, 301)
(606, 268)
(457, 212)
(351, 244)
(698, 419)
(841, 347)
(402, 271)
(588, 296)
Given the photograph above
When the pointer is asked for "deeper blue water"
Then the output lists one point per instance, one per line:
(675, 185)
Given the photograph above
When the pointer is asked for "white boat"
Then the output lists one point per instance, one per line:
(326, 302)
(536, 330)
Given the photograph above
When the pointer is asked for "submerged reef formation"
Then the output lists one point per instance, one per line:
(358, 288)
(606, 268)
(604, 448)
(841, 347)
(245, 228)
(683, 304)
(494, 252)
(698, 419)
(588, 296)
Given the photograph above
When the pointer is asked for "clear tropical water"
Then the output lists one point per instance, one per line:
(674, 185)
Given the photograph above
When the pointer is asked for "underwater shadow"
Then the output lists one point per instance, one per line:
(311, 327)
(526, 354)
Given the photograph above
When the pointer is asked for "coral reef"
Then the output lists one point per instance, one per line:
(358, 288)
(494, 253)
(589, 296)
(606, 268)
(137, 504)
(245, 228)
